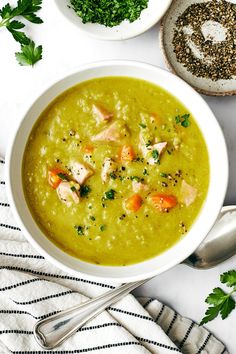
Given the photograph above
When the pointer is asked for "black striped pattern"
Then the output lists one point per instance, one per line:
(160, 313)
(204, 344)
(148, 303)
(6, 205)
(10, 227)
(26, 282)
(172, 323)
(86, 350)
(186, 335)
(35, 256)
(35, 301)
(161, 345)
(57, 276)
(83, 329)
(131, 314)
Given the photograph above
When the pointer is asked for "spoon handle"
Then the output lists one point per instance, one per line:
(54, 330)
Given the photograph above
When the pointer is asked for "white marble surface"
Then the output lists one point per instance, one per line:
(66, 48)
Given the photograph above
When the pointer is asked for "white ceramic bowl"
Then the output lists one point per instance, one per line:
(149, 17)
(208, 215)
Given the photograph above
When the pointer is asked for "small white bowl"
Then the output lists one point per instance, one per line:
(209, 212)
(149, 17)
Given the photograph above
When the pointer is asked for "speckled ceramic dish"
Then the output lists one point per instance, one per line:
(210, 30)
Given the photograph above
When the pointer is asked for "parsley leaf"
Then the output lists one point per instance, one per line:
(79, 229)
(229, 278)
(63, 176)
(110, 194)
(221, 303)
(29, 54)
(183, 120)
(142, 125)
(85, 190)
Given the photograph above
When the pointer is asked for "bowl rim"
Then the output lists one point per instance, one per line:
(11, 197)
(110, 37)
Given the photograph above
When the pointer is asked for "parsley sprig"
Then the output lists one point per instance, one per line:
(221, 303)
(30, 53)
(183, 120)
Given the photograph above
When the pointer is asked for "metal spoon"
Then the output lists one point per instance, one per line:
(219, 245)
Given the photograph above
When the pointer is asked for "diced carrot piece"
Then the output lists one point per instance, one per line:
(134, 203)
(53, 177)
(127, 153)
(89, 149)
(164, 202)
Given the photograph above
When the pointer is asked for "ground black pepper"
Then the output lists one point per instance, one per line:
(215, 59)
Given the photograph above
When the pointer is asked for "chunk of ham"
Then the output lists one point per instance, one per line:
(188, 193)
(114, 132)
(108, 167)
(101, 114)
(68, 193)
(139, 187)
(147, 151)
(80, 172)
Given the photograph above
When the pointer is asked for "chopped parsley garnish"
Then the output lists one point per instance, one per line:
(63, 177)
(183, 120)
(108, 13)
(110, 194)
(79, 229)
(145, 172)
(102, 227)
(113, 175)
(73, 189)
(148, 143)
(136, 178)
(85, 190)
(164, 175)
(155, 155)
(92, 218)
(142, 125)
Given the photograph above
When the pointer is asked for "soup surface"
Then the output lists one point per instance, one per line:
(115, 171)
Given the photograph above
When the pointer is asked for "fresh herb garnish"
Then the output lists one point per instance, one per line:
(113, 175)
(92, 218)
(108, 13)
(183, 120)
(102, 227)
(148, 143)
(63, 176)
(110, 194)
(29, 54)
(145, 172)
(85, 190)
(142, 125)
(27, 9)
(164, 175)
(155, 155)
(221, 302)
(136, 178)
(73, 189)
(79, 229)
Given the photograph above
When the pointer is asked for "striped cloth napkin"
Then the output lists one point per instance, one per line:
(32, 289)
